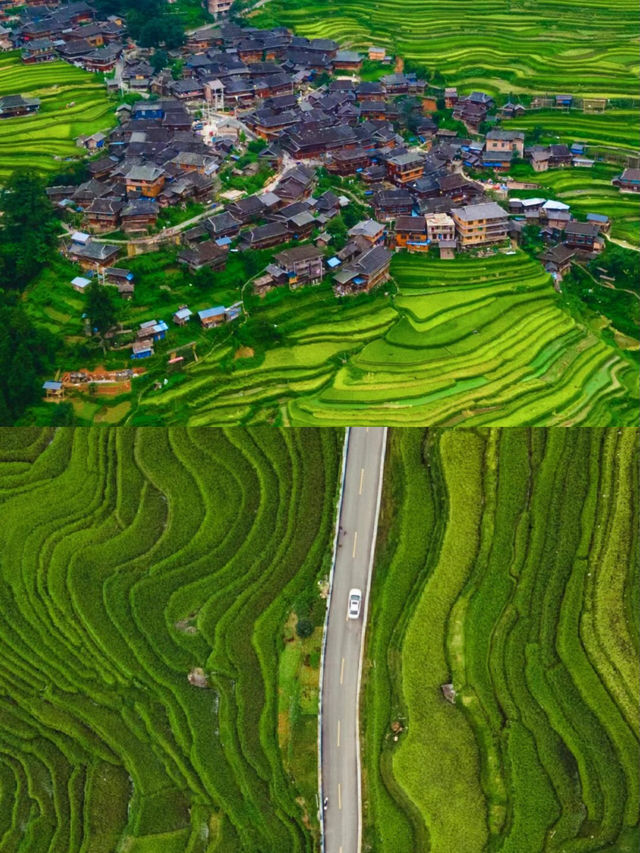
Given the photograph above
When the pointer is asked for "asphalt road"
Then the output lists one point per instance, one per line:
(340, 768)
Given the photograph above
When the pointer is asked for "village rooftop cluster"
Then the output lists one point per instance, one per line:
(302, 105)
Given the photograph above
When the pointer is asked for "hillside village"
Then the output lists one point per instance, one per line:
(427, 168)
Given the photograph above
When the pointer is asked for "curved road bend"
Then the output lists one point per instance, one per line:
(340, 759)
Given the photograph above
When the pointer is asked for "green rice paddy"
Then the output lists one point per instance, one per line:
(73, 103)
(476, 341)
(591, 191)
(128, 559)
(508, 46)
(507, 567)
(617, 128)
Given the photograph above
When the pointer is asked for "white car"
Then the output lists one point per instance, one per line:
(355, 600)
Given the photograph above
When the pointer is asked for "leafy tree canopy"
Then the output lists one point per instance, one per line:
(101, 308)
(26, 354)
(28, 230)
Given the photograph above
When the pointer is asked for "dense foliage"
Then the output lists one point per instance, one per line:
(150, 22)
(26, 354)
(28, 229)
(608, 287)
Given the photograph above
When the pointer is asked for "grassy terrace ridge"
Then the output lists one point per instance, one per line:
(507, 566)
(587, 48)
(617, 128)
(73, 103)
(474, 341)
(129, 558)
(591, 191)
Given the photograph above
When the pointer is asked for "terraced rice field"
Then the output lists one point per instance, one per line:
(73, 103)
(471, 341)
(129, 558)
(507, 567)
(617, 128)
(592, 192)
(587, 47)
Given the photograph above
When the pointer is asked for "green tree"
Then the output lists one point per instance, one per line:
(62, 415)
(29, 229)
(351, 215)
(26, 355)
(258, 333)
(304, 628)
(531, 241)
(177, 67)
(101, 309)
(159, 59)
(160, 30)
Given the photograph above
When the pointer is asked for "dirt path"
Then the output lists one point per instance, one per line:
(623, 243)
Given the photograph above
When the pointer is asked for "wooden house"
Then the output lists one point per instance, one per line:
(583, 236)
(53, 391)
(207, 254)
(301, 265)
(265, 236)
(103, 214)
(147, 180)
(370, 231)
(211, 317)
(17, 105)
(603, 222)
(405, 168)
(364, 273)
(377, 54)
(348, 161)
(139, 215)
(38, 50)
(347, 60)
(411, 233)
(557, 260)
(450, 97)
(628, 181)
(182, 315)
(388, 204)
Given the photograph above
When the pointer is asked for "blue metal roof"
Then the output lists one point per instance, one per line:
(211, 312)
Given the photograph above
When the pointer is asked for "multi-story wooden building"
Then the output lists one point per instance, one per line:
(628, 181)
(480, 224)
(584, 236)
(301, 265)
(103, 214)
(365, 273)
(145, 181)
(17, 105)
(38, 50)
(501, 141)
(411, 233)
(265, 236)
(139, 215)
(405, 168)
(207, 254)
(348, 161)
